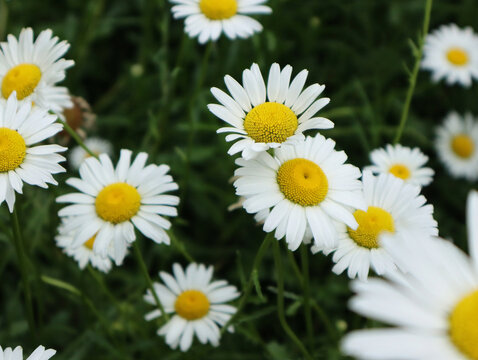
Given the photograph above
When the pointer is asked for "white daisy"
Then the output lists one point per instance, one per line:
(402, 162)
(307, 185)
(96, 145)
(267, 117)
(40, 353)
(434, 307)
(451, 53)
(457, 145)
(198, 305)
(393, 207)
(112, 202)
(21, 127)
(33, 68)
(207, 19)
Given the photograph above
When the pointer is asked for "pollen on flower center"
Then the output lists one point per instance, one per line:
(303, 182)
(192, 305)
(463, 146)
(23, 79)
(117, 203)
(464, 326)
(401, 171)
(90, 242)
(372, 223)
(218, 9)
(270, 123)
(12, 149)
(457, 56)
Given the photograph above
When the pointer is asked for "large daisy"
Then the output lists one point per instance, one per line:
(434, 307)
(451, 53)
(457, 145)
(112, 202)
(208, 19)
(394, 208)
(40, 353)
(264, 117)
(198, 304)
(306, 185)
(21, 128)
(33, 68)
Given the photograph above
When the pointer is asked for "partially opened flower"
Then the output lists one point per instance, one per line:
(112, 202)
(433, 308)
(40, 353)
(33, 68)
(198, 304)
(96, 145)
(263, 117)
(208, 19)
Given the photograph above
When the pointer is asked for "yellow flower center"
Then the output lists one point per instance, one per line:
(23, 79)
(372, 223)
(218, 9)
(463, 146)
(89, 244)
(270, 122)
(12, 149)
(400, 171)
(457, 56)
(303, 182)
(464, 326)
(192, 305)
(117, 202)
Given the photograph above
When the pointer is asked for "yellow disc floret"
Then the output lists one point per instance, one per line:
(117, 203)
(372, 223)
(12, 149)
(401, 171)
(464, 326)
(218, 9)
(192, 305)
(90, 242)
(457, 56)
(303, 182)
(463, 146)
(270, 123)
(23, 79)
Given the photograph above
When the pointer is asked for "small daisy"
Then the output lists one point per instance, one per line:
(33, 68)
(457, 145)
(112, 202)
(21, 127)
(402, 162)
(207, 19)
(451, 53)
(199, 305)
(267, 117)
(307, 185)
(96, 145)
(17, 354)
(434, 308)
(393, 207)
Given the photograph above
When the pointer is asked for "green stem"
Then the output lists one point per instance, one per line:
(280, 303)
(413, 78)
(3, 18)
(76, 137)
(295, 267)
(325, 320)
(103, 286)
(180, 246)
(304, 252)
(144, 270)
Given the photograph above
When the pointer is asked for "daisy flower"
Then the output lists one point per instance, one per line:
(198, 304)
(21, 127)
(267, 117)
(208, 19)
(96, 145)
(434, 307)
(33, 68)
(403, 162)
(306, 185)
(17, 354)
(394, 208)
(112, 202)
(457, 145)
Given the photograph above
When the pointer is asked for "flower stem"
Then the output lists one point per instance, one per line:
(3, 18)
(418, 53)
(103, 286)
(76, 137)
(304, 252)
(280, 303)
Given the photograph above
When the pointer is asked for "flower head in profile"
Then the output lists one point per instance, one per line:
(40, 353)
(267, 116)
(198, 305)
(208, 19)
(96, 145)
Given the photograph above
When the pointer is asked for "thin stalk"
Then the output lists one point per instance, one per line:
(295, 267)
(3, 18)
(304, 252)
(76, 137)
(280, 303)
(413, 78)
(325, 320)
(103, 286)
(180, 246)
